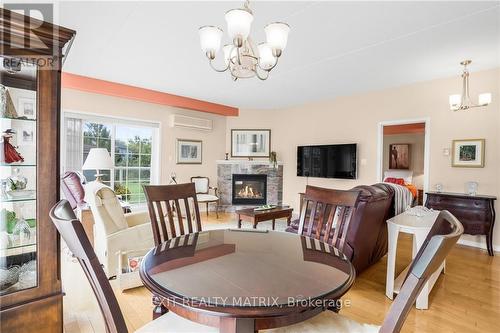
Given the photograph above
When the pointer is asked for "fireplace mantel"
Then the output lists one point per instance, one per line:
(253, 162)
(227, 168)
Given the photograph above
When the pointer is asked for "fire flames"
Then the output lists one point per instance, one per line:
(248, 192)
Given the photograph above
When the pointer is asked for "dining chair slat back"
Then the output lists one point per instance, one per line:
(443, 235)
(326, 214)
(171, 199)
(72, 232)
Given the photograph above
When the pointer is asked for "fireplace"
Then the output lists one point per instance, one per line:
(249, 189)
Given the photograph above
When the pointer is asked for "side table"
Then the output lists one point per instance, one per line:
(419, 227)
(84, 214)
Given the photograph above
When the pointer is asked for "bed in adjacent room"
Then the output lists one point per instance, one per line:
(406, 192)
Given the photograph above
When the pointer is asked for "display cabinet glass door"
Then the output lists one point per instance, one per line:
(18, 171)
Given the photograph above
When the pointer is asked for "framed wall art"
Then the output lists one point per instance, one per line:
(250, 142)
(399, 156)
(468, 153)
(189, 151)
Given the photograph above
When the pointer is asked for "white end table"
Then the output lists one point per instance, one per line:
(419, 227)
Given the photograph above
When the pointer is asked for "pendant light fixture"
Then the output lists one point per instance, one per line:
(463, 101)
(242, 57)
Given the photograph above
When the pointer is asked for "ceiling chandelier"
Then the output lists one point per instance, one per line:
(242, 58)
(464, 102)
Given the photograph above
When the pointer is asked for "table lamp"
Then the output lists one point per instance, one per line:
(98, 159)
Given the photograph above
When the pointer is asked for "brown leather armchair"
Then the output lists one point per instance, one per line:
(366, 240)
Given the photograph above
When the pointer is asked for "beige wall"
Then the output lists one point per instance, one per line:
(417, 145)
(213, 141)
(355, 119)
(341, 120)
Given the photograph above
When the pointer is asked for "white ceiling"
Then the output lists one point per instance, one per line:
(334, 48)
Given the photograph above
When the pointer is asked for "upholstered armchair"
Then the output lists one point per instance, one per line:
(115, 231)
(203, 195)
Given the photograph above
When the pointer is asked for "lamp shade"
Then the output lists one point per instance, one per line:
(98, 159)
(210, 38)
(266, 58)
(239, 22)
(277, 35)
(484, 99)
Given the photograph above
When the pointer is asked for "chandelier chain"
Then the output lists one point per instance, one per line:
(247, 5)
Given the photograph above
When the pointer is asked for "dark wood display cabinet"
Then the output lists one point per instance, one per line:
(31, 54)
(476, 212)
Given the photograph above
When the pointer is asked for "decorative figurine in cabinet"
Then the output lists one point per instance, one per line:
(30, 75)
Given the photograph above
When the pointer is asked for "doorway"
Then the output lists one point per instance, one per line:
(403, 152)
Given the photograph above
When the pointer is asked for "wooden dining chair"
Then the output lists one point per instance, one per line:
(443, 235)
(326, 214)
(163, 201)
(72, 232)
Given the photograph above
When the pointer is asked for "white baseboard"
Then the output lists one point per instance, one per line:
(479, 245)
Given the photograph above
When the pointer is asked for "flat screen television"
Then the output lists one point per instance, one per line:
(327, 161)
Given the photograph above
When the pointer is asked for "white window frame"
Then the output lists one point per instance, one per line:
(123, 121)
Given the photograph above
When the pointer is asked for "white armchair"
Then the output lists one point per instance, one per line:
(203, 195)
(114, 231)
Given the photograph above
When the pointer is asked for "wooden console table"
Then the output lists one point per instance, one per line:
(475, 212)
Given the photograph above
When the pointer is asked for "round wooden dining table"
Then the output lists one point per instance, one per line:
(245, 280)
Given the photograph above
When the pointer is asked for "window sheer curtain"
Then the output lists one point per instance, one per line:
(74, 145)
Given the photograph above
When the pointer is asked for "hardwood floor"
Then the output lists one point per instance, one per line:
(465, 299)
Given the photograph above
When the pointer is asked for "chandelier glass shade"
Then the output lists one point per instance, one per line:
(242, 57)
(266, 57)
(277, 35)
(210, 38)
(239, 22)
(463, 101)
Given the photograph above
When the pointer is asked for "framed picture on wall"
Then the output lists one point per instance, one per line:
(399, 156)
(250, 142)
(189, 151)
(468, 153)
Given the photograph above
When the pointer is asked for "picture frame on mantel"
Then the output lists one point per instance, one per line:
(189, 151)
(250, 143)
(468, 153)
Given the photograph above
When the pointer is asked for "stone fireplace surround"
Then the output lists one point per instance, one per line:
(226, 169)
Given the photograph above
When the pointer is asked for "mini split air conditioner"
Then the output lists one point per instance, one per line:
(177, 120)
